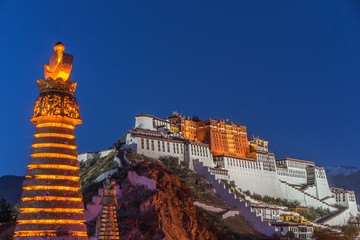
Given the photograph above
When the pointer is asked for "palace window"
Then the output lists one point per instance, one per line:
(159, 148)
(152, 145)
(142, 143)
(147, 144)
(168, 147)
(163, 146)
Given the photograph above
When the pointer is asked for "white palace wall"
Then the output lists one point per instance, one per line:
(156, 145)
(154, 148)
(249, 175)
(322, 185)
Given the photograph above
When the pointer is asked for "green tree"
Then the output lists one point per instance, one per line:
(6, 212)
(276, 236)
(290, 234)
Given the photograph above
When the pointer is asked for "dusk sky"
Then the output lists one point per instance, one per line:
(287, 70)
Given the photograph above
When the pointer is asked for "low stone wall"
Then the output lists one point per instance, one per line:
(210, 208)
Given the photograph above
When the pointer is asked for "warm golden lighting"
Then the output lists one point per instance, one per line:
(60, 177)
(57, 145)
(51, 206)
(50, 124)
(75, 189)
(54, 166)
(60, 64)
(52, 155)
(53, 210)
(54, 135)
(51, 221)
(52, 198)
(44, 233)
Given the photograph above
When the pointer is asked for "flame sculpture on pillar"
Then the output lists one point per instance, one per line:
(51, 205)
(107, 227)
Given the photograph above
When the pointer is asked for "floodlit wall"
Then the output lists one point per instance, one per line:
(322, 185)
(143, 121)
(292, 194)
(84, 157)
(249, 175)
(159, 148)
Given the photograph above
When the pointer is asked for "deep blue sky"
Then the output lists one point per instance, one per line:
(288, 70)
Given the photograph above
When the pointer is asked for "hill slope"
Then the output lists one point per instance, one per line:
(168, 211)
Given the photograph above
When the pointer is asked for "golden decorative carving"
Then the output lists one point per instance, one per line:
(51, 105)
(56, 104)
(71, 108)
(37, 107)
(57, 84)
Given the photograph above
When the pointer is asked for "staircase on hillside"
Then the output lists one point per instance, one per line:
(311, 196)
(333, 214)
(244, 208)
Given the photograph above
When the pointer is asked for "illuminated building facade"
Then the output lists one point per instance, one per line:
(222, 137)
(107, 226)
(51, 205)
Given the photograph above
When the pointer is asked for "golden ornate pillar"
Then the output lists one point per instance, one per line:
(51, 205)
(107, 226)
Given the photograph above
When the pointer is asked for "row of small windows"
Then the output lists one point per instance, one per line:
(296, 164)
(219, 172)
(157, 123)
(244, 164)
(341, 197)
(161, 146)
(296, 175)
(199, 151)
(320, 174)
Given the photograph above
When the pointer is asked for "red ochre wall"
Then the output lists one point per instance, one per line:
(223, 138)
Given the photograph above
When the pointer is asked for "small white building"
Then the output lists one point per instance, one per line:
(345, 198)
(266, 212)
(83, 157)
(155, 138)
(301, 231)
(293, 171)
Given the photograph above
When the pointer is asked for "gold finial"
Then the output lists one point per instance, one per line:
(60, 64)
(59, 47)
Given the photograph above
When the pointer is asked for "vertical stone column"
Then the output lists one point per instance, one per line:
(51, 205)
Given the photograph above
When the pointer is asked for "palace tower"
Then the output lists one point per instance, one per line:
(51, 205)
(107, 227)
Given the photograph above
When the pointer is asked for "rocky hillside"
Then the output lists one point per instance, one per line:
(167, 211)
(164, 210)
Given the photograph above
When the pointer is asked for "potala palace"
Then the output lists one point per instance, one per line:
(221, 151)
